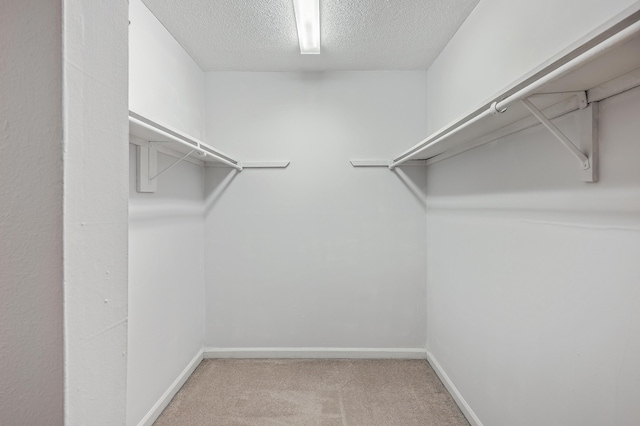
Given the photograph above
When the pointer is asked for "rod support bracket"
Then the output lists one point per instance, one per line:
(583, 101)
(494, 109)
(586, 150)
(155, 176)
(146, 166)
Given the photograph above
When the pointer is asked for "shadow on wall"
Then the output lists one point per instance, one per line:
(414, 179)
(217, 180)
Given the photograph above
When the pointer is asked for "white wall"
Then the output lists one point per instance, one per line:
(95, 210)
(500, 42)
(533, 294)
(166, 228)
(166, 85)
(63, 213)
(319, 254)
(166, 282)
(31, 349)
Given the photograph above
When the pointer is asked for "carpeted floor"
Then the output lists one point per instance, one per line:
(313, 392)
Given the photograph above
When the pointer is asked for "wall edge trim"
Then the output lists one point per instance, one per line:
(317, 353)
(168, 395)
(453, 390)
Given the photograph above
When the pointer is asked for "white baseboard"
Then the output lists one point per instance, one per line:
(315, 353)
(166, 397)
(457, 396)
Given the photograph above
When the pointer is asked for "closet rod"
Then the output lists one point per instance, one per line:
(500, 106)
(195, 145)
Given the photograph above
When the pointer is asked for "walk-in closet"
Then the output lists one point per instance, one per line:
(320, 212)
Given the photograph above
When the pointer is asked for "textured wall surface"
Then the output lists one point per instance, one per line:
(320, 254)
(500, 42)
(165, 85)
(95, 211)
(166, 282)
(31, 349)
(232, 35)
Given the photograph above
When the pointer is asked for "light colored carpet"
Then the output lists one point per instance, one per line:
(313, 392)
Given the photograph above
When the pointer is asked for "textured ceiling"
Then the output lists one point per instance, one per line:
(260, 35)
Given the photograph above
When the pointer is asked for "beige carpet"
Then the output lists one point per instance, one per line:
(313, 392)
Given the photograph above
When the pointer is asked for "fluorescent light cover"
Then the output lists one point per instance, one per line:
(308, 23)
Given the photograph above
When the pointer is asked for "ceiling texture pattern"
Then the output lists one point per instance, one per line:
(260, 35)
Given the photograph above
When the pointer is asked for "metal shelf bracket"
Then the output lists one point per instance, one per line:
(587, 150)
(154, 177)
(146, 166)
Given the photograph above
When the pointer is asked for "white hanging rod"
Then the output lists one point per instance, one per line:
(207, 151)
(565, 65)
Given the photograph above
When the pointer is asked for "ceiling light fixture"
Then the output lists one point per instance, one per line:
(308, 23)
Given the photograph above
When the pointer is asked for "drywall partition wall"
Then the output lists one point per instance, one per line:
(95, 210)
(532, 291)
(531, 275)
(31, 348)
(501, 41)
(166, 85)
(166, 314)
(64, 224)
(166, 285)
(320, 254)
